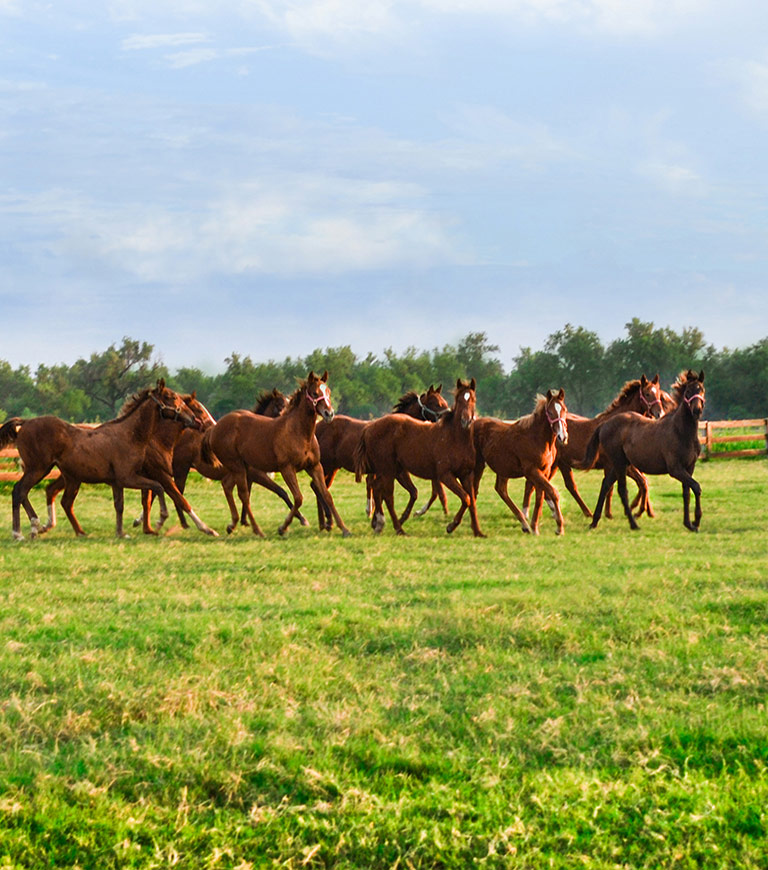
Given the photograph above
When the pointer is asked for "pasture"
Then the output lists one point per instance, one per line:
(596, 700)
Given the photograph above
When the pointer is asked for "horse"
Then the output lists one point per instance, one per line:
(396, 446)
(525, 448)
(132, 451)
(641, 395)
(186, 455)
(339, 437)
(244, 442)
(669, 445)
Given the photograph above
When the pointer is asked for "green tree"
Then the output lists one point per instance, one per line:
(110, 377)
(581, 368)
(17, 389)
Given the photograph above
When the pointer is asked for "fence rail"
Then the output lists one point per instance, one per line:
(709, 440)
(10, 464)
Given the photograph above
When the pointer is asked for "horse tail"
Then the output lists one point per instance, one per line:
(9, 431)
(206, 450)
(360, 459)
(590, 455)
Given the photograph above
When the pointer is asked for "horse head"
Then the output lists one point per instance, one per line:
(319, 396)
(692, 394)
(464, 404)
(554, 408)
(199, 411)
(271, 403)
(171, 406)
(432, 403)
(650, 397)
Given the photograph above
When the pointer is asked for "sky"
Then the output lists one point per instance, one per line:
(268, 177)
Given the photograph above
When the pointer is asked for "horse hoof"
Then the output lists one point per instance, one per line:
(230, 529)
(281, 531)
(212, 532)
(17, 536)
(137, 522)
(345, 533)
(304, 522)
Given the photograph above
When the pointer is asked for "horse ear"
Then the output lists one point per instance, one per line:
(643, 380)
(561, 394)
(656, 379)
(194, 395)
(439, 388)
(473, 385)
(701, 376)
(550, 395)
(458, 383)
(161, 383)
(324, 378)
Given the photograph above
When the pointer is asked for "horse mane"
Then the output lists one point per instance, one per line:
(131, 404)
(683, 379)
(405, 400)
(265, 398)
(295, 399)
(624, 393)
(528, 420)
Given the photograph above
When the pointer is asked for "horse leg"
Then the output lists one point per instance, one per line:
(51, 491)
(641, 501)
(404, 479)
(621, 485)
(545, 489)
(377, 511)
(324, 518)
(261, 478)
(180, 479)
(468, 484)
(227, 485)
(118, 499)
(609, 477)
(370, 504)
(570, 484)
(67, 505)
(467, 501)
(19, 497)
(386, 488)
(437, 492)
(289, 476)
(503, 492)
(318, 479)
(689, 483)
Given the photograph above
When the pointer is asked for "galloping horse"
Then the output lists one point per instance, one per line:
(186, 455)
(339, 437)
(132, 451)
(188, 435)
(394, 447)
(641, 395)
(244, 442)
(525, 448)
(669, 445)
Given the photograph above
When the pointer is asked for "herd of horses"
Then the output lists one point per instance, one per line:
(160, 435)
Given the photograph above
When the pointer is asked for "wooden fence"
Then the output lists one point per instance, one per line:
(9, 458)
(708, 439)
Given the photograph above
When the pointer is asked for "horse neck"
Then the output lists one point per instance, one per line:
(683, 419)
(624, 403)
(302, 417)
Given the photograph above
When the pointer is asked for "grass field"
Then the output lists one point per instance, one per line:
(596, 700)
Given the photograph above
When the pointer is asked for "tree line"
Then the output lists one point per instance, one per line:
(574, 358)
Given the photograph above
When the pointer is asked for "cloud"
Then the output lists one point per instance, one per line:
(162, 40)
(294, 224)
(673, 178)
(752, 77)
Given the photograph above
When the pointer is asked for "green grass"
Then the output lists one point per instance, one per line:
(596, 700)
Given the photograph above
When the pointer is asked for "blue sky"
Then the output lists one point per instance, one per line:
(269, 177)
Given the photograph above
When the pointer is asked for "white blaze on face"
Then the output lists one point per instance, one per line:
(466, 397)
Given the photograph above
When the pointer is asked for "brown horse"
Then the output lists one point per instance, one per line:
(186, 455)
(339, 437)
(669, 445)
(525, 448)
(244, 442)
(640, 395)
(203, 416)
(394, 447)
(133, 451)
